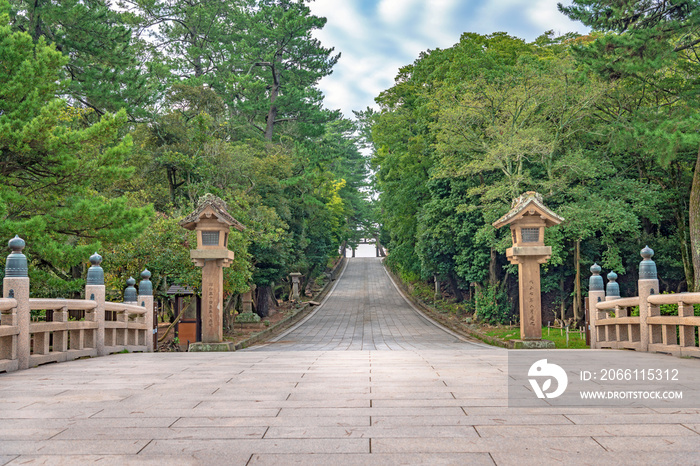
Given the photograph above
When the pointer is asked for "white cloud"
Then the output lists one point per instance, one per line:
(376, 41)
(343, 19)
(541, 14)
(438, 25)
(397, 12)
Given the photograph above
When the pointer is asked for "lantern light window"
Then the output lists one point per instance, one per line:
(531, 235)
(210, 238)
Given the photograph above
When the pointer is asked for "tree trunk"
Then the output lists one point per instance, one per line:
(493, 279)
(694, 220)
(477, 299)
(562, 304)
(455, 289)
(308, 289)
(683, 240)
(264, 300)
(198, 69)
(272, 112)
(229, 307)
(577, 281)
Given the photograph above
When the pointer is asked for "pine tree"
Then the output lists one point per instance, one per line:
(104, 67)
(653, 44)
(284, 64)
(54, 173)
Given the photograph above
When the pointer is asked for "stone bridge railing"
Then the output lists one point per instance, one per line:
(74, 328)
(636, 323)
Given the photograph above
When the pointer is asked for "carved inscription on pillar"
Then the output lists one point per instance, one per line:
(211, 309)
(531, 303)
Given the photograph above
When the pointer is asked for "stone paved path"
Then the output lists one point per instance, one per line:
(365, 312)
(416, 405)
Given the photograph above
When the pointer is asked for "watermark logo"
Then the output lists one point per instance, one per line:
(588, 378)
(542, 368)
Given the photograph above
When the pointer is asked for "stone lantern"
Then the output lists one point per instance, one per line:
(296, 280)
(212, 223)
(528, 218)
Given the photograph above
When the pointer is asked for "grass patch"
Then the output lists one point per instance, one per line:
(557, 335)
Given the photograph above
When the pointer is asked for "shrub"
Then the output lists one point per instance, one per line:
(492, 306)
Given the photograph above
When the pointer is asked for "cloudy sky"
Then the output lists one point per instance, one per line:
(377, 37)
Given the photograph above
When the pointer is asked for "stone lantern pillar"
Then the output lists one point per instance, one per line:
(212, 223)
(528, 218)
(295, 285)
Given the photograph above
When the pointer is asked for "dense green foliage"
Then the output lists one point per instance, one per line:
(102, 67)
(651, 47)
(55, 172)
(222, 99)
(467, 129)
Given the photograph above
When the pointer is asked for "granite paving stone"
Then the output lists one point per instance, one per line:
(373, 432)
(620, 430)
(476, 459)
(350, 445)
(231, 458)
(657, 444)
(526, 445)
(169, 433)
(317, 421)
(72, 447)
(509, 420)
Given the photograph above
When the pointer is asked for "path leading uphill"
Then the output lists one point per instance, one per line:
(365, 312)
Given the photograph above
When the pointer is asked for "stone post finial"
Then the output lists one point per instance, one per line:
(95, 291)
(647, 267)
(648, 285)
(16, 264)
(95, 275)
(595, 283)
(145, 299)
(145, 285)
(130, 291)
(16, 285)
(596, 294)
(613, 288)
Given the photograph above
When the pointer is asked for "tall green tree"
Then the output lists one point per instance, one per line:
(281, 65)
(653, 45)
(54, 172)
(466, 129)
(259, 55)
(104, 67)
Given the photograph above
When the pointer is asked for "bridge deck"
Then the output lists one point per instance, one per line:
(442, 402)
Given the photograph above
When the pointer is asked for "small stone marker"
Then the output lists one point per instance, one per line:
(295, 285)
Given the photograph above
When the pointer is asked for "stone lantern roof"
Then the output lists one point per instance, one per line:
(211, 206)
(531, 204)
